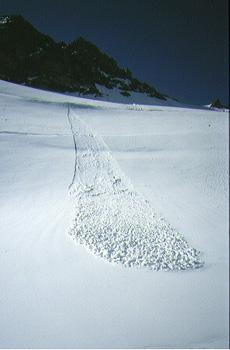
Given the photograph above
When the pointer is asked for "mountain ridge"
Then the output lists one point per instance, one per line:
(34, 59)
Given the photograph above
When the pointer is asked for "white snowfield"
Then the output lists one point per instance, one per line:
(148, 184)
(114, 221)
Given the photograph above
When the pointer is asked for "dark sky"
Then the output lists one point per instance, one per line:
(178, 46)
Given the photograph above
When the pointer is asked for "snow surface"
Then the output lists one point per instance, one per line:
(54, 293)
(112, 219)
(114, 95)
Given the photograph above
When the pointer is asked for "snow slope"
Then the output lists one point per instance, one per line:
(114, 95)
(112, 219)
(53, 292)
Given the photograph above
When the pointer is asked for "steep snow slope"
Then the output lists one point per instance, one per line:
(114, 95)
(53, 292)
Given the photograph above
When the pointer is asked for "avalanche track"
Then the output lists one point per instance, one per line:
(111, 219)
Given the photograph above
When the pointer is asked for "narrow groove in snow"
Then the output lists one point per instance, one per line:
(114, 221)
(75, 147)
(30, 133)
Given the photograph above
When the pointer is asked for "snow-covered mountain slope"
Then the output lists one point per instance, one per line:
(54, 293)
(114, 95)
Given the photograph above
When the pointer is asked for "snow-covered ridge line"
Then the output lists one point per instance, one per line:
(114, 221)
(49, 97)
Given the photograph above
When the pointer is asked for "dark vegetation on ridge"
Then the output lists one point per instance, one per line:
(34, 59)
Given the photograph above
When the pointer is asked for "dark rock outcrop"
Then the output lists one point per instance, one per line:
(34, 59)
